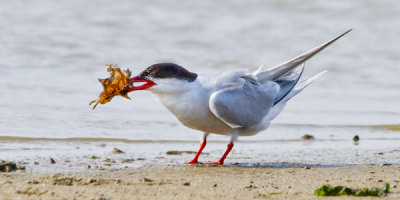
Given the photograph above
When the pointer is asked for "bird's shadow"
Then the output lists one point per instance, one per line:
(286, 165)
(277, 165)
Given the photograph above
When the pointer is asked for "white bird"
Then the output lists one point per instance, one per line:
(233, 103)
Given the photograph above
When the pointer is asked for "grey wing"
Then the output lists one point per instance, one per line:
(245, 105)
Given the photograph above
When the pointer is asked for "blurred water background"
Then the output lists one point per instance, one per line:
(53, 52)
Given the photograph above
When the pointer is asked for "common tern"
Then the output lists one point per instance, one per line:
(233, 103)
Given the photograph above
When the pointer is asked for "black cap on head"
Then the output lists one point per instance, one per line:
(168, 70)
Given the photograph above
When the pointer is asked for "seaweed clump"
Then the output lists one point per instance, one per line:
(117, 84)
(328, 190)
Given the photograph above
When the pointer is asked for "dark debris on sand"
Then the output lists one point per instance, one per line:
(356, 138)
(180, 152)
(307, 137)
(6, 166)
(117, 151)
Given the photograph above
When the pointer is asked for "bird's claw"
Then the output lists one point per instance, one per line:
(215, 163)
(192, 162)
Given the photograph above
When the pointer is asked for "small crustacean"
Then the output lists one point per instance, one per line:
(117, 84)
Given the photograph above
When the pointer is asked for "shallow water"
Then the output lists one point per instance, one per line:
(53, 52)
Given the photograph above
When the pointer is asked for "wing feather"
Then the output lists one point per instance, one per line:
(243, 105)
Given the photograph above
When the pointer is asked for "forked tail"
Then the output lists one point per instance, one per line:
(264, 75)
(278, 107)
(300, 87)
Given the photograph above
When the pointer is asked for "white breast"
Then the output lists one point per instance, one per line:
(190, 106)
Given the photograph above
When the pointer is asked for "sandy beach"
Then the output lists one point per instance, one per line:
(339, 131)
(196, 182)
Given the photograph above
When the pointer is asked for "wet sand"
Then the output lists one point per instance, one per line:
(196, 182)
(47, 115)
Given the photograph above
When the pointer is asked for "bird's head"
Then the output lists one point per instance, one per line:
(163, 78)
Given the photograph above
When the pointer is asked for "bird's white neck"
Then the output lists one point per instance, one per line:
(189, 103)
(178, 96)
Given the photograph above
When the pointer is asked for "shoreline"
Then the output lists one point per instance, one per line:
(196, 182)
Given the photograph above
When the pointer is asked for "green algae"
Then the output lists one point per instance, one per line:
(328, 190)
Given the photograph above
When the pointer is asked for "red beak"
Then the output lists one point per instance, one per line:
(148, 83)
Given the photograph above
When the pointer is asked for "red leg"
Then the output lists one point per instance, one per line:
(221, 161)
(194, 160)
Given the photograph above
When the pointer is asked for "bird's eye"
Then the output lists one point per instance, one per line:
(150, 72)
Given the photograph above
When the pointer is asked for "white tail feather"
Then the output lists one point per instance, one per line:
(300, 87)
(263, 75)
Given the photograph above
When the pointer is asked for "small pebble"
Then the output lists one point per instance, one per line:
(307, 137)
(147, 180)
(384, 164)
(186, 184)
(109, 160)
(356, 138)
(33, 182)
(129, 160)
(52, 161)
(117, 151)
